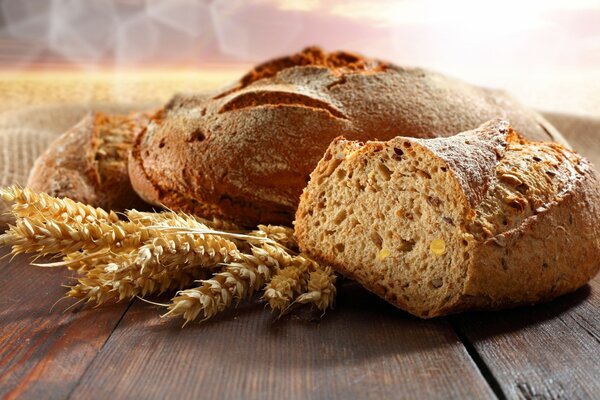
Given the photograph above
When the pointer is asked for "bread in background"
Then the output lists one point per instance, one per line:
(245, 153)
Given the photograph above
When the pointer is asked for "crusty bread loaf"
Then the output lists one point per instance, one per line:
(88, 163)
(246, 153)
(483, 219)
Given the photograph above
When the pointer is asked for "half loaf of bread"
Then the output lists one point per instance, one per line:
(246, 152)
(483, 219)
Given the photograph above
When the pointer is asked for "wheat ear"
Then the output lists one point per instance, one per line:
(116, 280)
(321, 289)
(281, 234)
(27, 203)
(33, 235)
(236, 281)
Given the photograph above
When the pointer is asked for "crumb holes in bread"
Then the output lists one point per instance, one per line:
(198, 135)
(406, 245)
(423, 174)
(161, 144)
(434, 201)
(398, 153)
(341, 173)
(384, 171)
(376, 239)
(340, 217)
(448, 220)
(339, 247)
(436, 283)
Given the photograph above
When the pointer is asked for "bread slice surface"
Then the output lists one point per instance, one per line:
(482, 219)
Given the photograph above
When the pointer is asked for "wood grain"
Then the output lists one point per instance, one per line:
(549, 351)
(364, 349)
(43, 350)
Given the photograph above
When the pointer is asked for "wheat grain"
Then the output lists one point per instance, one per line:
(28, 203)
(281, 234)
(321, 289)
(32, 235)
(290, 282)
(122, 279)
(284, 287)
(237, 281)
(171, 250)
(155, 252)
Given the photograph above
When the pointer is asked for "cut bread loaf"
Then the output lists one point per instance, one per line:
(88, 163)
(246, 153)
(483, 219)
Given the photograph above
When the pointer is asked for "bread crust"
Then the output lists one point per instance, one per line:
(539, 247)
(246, 153)
(88, 163)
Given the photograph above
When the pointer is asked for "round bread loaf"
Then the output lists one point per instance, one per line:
(88, 163)
(483, 219)
(246, 153)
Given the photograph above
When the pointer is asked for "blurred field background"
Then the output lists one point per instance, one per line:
(547, 54)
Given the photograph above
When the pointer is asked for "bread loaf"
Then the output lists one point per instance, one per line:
(88, 163)
(246, 152)
(483, 219)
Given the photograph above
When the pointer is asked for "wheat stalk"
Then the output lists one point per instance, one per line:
(155, 252)
(171, 218)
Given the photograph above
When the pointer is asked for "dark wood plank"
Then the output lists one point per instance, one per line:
(548, 351)
(43, 350)
(364, 349)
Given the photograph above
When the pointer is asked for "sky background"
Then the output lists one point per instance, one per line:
(189, 33)
(555, 43)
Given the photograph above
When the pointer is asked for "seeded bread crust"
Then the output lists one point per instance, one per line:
(88, 163)
(246, 153)
(482, 220)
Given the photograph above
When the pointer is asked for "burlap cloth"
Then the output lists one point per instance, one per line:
(26, 132)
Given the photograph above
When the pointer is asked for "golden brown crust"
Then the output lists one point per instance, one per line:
(246, 153)
(89, 162)
(529, 220)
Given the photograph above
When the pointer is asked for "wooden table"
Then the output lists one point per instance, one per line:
(365, 348)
